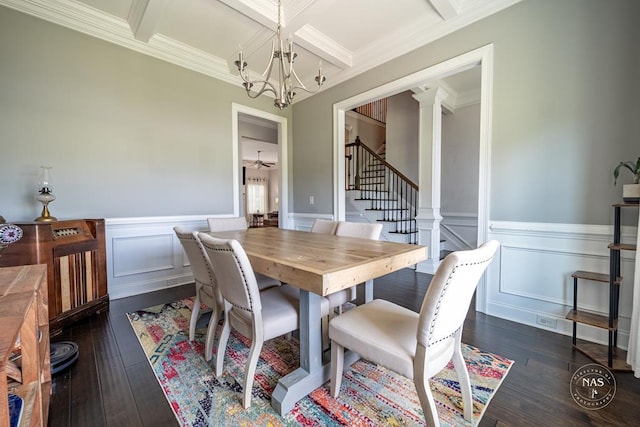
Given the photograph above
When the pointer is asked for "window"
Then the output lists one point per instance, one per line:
(257, 195)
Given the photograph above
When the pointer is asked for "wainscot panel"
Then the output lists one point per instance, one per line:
(144, 255)
(530, 280)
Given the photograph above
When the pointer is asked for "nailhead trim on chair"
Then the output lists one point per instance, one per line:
(444, 291)
(244, 276)
(206, 261)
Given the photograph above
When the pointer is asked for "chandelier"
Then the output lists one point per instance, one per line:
(288, 80)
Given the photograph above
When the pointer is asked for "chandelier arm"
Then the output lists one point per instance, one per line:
(266, 87)
(300, 85)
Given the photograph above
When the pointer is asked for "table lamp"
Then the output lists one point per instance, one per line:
(44, 195)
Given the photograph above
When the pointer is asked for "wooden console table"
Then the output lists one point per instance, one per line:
(23, 315)
(75, 256)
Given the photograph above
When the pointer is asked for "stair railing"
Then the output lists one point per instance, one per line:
(388, 189)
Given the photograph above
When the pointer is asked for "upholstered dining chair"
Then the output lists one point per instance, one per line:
(240, 223)
(258, 315)
(206, 286)
(362, 230)
(325, 226)
(417, 346)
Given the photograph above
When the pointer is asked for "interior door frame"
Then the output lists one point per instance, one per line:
(482, 56)
(283, 165)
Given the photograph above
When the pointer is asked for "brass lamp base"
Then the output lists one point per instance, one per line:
(45, 216)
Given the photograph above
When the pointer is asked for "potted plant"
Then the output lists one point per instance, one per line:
(630, 192)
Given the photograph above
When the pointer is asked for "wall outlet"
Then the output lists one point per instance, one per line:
(547, 321)
(311, 200)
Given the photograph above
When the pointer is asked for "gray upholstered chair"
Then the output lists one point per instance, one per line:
(324, 226)
(362, 230)
(259, 315)
(240, 223)
(206, 286)
(227, 224)
(417, 346)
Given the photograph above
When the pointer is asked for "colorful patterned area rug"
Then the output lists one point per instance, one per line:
(370, 395)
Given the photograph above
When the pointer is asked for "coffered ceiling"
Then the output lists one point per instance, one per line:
(346, 37)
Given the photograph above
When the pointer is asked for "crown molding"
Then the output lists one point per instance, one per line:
(88, 20)
(413, 36)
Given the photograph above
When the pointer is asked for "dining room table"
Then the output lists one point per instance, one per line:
(319, 265)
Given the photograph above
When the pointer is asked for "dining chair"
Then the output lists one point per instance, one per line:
(206, 286)
(258, 315)
(362, 230)
(240, 223)
(416, 345)
(325, 226)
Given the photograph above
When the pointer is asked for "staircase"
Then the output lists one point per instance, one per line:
(381, 193)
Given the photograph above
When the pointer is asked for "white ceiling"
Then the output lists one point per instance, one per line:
(346, 37)
(250, 148)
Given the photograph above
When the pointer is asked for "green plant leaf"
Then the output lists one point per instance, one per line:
(633, 168)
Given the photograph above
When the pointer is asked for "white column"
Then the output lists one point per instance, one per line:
(430, 140)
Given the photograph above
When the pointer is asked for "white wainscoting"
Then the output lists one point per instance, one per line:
(144, 254)
(304, 221)
(459, 231)
(530, 280)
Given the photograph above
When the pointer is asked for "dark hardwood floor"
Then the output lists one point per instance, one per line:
(112, 384)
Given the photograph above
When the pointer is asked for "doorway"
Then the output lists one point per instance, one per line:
(482, 57)
(252, 131)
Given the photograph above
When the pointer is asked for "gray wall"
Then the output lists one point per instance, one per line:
(127, 135)
(460, 142)
(371, 133)
(402, 134)
(565, 109)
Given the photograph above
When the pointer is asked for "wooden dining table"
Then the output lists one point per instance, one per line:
(319, 265)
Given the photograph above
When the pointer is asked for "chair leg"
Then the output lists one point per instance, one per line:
(337, 366)
(222, 345)
(421, 382)
(194, 315)
(250, 370)
(211, 334)
(427, 402)
(463, 378)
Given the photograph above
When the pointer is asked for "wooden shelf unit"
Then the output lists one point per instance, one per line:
(24, 316)
(609, 355)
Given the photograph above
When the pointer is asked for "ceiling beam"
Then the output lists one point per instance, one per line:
(293, 22)
(448, 9)
(314, 40)
(144, 16)
(323, 46)
(263, 12)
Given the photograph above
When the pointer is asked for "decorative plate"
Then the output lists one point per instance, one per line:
(10, 233)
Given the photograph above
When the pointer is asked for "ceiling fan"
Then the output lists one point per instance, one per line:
(258, 164)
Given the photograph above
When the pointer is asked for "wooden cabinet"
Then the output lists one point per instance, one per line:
(74, 252)
(23, 316)
(609, 355)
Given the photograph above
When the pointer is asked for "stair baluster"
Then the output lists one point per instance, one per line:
(387, 189)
